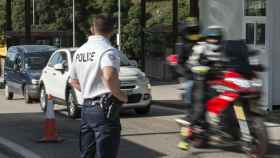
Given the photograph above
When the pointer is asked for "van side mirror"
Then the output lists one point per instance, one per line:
(59, 67)
(133, 63)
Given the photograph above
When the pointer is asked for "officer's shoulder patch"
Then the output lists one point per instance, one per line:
(112, 57)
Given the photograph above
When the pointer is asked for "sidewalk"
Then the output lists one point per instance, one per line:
(167, 94)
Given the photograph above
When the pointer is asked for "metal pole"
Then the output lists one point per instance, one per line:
(194, 8)
(27, 22)
(119, 25)
(8, 15)
(33, 3)
(175, 23)
(143, 25)
(74, 28)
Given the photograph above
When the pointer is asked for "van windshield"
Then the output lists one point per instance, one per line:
(124, 60)
(36, 61)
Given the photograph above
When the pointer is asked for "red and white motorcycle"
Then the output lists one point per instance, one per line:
(229, 118)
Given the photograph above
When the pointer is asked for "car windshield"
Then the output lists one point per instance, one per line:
(36, 61)
(124, 59)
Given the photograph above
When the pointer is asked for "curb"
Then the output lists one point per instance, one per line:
(2, 85)
(170, 104)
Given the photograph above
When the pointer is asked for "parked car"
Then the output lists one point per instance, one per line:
(55, 77)
(22, 70)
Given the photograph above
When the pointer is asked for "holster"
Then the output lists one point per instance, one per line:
(111, 107)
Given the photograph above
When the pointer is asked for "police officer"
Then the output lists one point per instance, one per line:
(95, 73)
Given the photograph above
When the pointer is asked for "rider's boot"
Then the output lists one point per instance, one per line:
(186, 133)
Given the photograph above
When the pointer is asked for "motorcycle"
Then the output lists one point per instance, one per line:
(228, 118)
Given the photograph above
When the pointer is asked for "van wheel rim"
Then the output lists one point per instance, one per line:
(43, 99)
(71, 105)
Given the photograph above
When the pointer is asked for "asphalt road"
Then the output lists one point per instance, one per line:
(151, 136)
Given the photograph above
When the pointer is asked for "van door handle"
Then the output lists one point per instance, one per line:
(54, 74)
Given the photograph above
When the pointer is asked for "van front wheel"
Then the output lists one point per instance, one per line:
(43, 99)
(27, 97)
(72, 104)
(8, 95)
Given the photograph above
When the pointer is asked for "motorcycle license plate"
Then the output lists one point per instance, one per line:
(239, 112)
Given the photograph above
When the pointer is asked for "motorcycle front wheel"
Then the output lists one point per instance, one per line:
(259, 145)
(199, 143)
(199, 138)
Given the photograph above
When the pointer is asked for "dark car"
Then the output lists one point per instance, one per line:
(23, 68)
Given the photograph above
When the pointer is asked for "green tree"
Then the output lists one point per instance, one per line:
(131, 42)
(18, 15)
(2, 16)
(183, 10)
(56, 15)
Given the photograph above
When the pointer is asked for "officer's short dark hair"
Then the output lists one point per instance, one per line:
(103, 24)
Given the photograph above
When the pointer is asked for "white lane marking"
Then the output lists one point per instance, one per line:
(171, 118)
(272, 124)
(3, 156)
(18, 149)
(169, 109)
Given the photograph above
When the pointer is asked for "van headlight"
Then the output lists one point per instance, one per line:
(142, 78)
(149, 86)
(34, 81)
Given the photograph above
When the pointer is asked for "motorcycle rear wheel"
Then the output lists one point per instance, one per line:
(260, 138)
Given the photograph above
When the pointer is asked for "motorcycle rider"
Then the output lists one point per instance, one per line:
(204, 55)
(187, 39)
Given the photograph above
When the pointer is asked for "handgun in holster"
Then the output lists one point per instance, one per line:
(111, 106)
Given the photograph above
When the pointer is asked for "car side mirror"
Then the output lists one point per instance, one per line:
(59, 67)
(133, 63)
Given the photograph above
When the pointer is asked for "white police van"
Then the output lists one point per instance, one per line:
(55, 77)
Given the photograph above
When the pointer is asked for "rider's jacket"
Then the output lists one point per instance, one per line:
(184, 51)
(233, 54)
(204, 54)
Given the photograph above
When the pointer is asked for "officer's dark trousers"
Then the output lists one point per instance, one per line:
(99, 137)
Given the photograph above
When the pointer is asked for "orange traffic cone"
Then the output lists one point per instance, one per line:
(50, 132)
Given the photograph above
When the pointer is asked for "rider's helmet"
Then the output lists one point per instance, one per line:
(191, 31)
(214, 34)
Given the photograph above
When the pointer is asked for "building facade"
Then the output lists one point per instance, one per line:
(257, 22)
